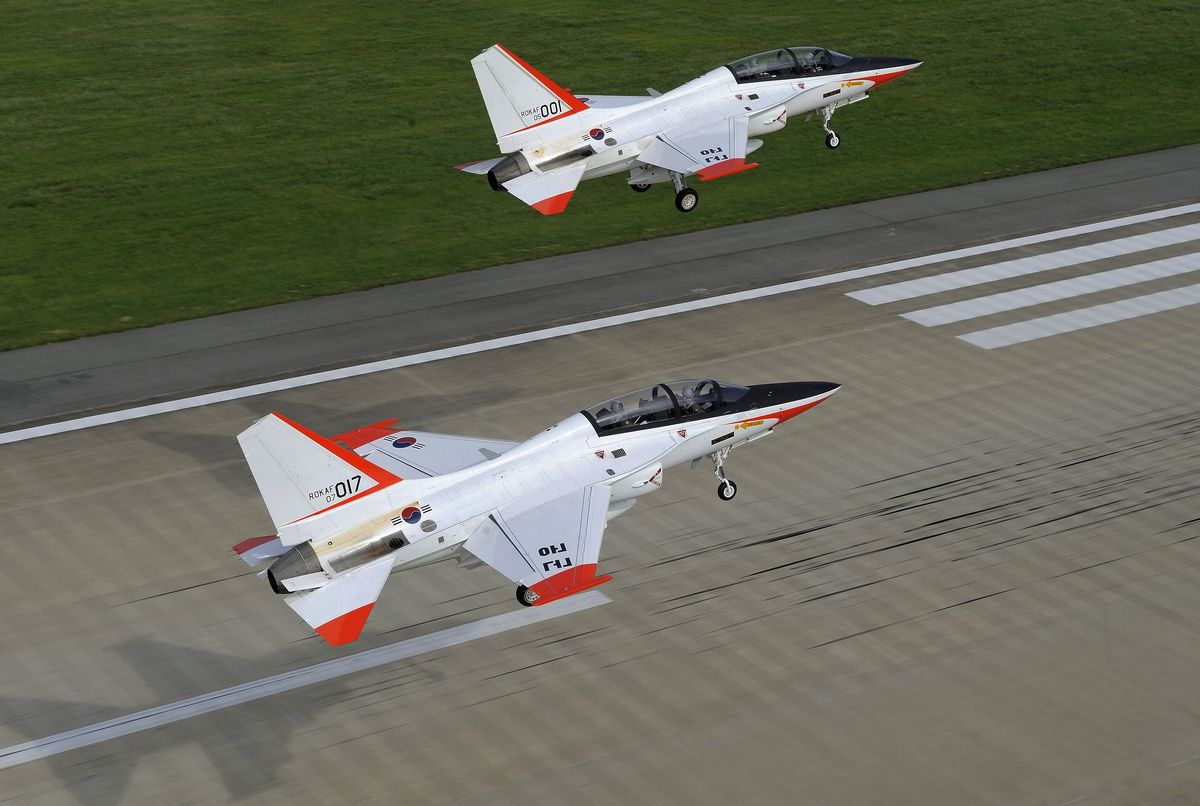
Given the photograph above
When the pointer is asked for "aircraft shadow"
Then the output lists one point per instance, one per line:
(247, 745)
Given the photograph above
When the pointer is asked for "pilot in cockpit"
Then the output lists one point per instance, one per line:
(687, 401)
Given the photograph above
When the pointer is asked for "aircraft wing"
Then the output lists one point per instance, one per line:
(552, 548)
(548, 192)
(420, 454)
(712, 151)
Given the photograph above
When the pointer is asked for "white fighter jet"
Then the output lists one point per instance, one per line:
(553, 139)
(351, 509)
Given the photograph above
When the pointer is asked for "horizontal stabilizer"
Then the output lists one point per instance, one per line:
(482, 167)
(255, 550)
(338, 610)
(548, 193)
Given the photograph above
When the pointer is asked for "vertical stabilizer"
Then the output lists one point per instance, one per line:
(300, 473)
(517, 96)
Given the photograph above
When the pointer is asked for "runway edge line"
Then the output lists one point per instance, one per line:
(297, 678)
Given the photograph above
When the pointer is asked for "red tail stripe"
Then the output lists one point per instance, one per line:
(574, 104)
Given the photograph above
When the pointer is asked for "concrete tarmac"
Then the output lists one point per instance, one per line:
(969, 577)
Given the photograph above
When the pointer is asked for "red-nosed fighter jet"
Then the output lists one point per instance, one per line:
(351, 509)
(553, 139)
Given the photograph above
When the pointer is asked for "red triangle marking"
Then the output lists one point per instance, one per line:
(346, 627)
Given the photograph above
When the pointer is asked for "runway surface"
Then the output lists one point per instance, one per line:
(970, 577)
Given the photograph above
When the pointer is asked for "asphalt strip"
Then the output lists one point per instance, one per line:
(297, 678)
(271, 387)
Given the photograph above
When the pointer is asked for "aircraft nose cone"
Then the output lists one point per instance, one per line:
(771, 394)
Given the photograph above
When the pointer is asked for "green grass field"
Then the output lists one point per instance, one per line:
(165, 160)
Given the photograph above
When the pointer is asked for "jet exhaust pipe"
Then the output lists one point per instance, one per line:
(508, 169)
(300, 560)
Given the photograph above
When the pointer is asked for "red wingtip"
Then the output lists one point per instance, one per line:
(724, 168)
(368, 433)
(567, 583)
(252, 542)
(553, 205)
(346, 627)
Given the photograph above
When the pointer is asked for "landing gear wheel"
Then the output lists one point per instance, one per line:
(639, 188)
(726, 490)
(686, 200)
(832, 140)
(525, 596)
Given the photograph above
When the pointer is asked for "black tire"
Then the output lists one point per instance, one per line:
(686, 200)
(832, 140)
(726, 491)
(526, 597)
(639, 188)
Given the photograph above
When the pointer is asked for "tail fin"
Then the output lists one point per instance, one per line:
(300, 473)
(517, 96)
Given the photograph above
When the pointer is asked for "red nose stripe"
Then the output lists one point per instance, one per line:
(886, 77)
(788, 414)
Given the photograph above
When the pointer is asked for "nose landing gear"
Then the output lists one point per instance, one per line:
(726, 490)
(831, 138)
(525, 596)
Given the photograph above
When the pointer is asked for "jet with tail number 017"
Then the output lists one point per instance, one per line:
(553, 139)
(350, 509)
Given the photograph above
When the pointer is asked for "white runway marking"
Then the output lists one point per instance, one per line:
(1026, 265)
(1050, 292)
(1084, 318)
(298, 678)
(272, 387)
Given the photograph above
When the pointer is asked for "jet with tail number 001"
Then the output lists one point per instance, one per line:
(553, 139)
(351, 509)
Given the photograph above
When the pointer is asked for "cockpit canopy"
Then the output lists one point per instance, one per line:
(786, 63)
(666, 403)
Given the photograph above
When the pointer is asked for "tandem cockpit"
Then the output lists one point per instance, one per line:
(787, 63)
(667, 403)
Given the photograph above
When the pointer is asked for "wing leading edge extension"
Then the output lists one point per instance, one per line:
(553, 548)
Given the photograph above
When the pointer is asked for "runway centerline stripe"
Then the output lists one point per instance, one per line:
(1051, 292)
(1083, 318)
(272, 387)
(1026, 265)
(297, 678)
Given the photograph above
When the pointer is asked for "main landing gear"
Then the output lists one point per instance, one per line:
(686, 199)
(726, 490)
(525, 596)
(831, 138)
